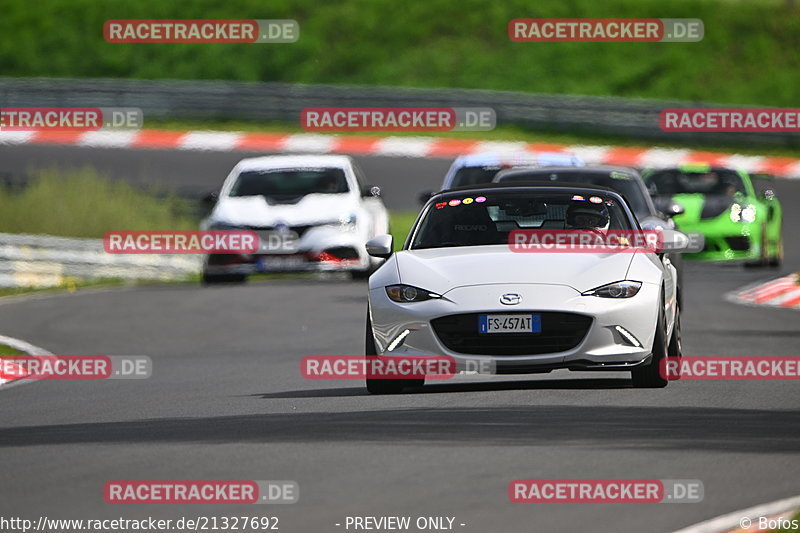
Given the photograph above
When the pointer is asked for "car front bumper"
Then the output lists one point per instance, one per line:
(600, 346)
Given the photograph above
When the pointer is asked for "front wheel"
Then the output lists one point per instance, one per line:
(764, 259)
(649, 376)
(777, 259)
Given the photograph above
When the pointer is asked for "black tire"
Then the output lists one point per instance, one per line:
(675, 346)
(213, 279)
(379, 386)
(764, 260)
(777, 259)
(649, 376)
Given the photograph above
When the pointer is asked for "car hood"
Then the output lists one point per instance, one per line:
(442, 269)
(701, 207)
(255, 211)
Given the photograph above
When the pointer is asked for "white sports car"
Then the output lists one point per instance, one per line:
(457, 289)
(312, 212)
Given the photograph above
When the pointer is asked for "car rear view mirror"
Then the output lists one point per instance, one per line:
(372, 191)
(424, 196)
(675, 209)
(210, 199)
(381, 246)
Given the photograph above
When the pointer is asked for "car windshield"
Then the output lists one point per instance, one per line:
(624, 183)
(488, 217)
(715, 182)
(290, 182)
(475, 175)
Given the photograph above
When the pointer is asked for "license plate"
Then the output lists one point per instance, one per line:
(266, 264)
(510, 324)
(278, 242)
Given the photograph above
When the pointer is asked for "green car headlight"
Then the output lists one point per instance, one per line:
(743, 214)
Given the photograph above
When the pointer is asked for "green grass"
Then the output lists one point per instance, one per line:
(8, 350)
(400, 224)
(83, 203)
(796, 518)
(748, 56)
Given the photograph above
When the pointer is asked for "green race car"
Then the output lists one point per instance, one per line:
(736, 212)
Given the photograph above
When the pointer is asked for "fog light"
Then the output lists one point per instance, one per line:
(628, 336)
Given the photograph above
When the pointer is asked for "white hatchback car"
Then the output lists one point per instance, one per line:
(457, 288)
(312, 212)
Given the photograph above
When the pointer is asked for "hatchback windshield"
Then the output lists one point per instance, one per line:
(488, 217)
(290, 183)
(716, 182)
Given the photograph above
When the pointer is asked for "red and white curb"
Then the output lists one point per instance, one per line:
(781, 292)
(422, 147)
(24, 347)
(746, 519)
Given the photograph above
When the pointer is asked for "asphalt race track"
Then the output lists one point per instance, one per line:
(226, 399)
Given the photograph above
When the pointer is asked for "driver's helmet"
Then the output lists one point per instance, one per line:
(586, 215)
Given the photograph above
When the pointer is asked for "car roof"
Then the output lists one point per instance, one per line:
(526, 185)
(521, 157)
(593, 169)
(294, 161)
(695, 168)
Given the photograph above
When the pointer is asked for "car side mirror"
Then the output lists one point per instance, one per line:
(381, 246)
(424, 196)
(210, 199)
(675, 209)
(372, 191)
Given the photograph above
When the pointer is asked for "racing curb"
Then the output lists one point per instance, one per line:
(782, 292)
(746, 520)
(24, 347)
(418, 147)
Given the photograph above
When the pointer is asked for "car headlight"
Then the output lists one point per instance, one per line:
(406, 293)
(218, 225)
(345, 222)
(743, 214)
(618, 289)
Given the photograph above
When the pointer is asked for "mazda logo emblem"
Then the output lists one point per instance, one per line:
(510, 298)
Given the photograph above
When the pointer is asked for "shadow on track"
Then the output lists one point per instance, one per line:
(583, 427)
(438, 388)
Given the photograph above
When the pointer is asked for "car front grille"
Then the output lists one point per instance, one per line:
(560, 332)
(264, 231)
(739, 244)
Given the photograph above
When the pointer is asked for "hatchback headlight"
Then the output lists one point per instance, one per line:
(618, 289)
(406, 293)
(219, 225)
(345, 222)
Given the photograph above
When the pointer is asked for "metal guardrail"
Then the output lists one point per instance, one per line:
(45, 261)
(262, 101)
